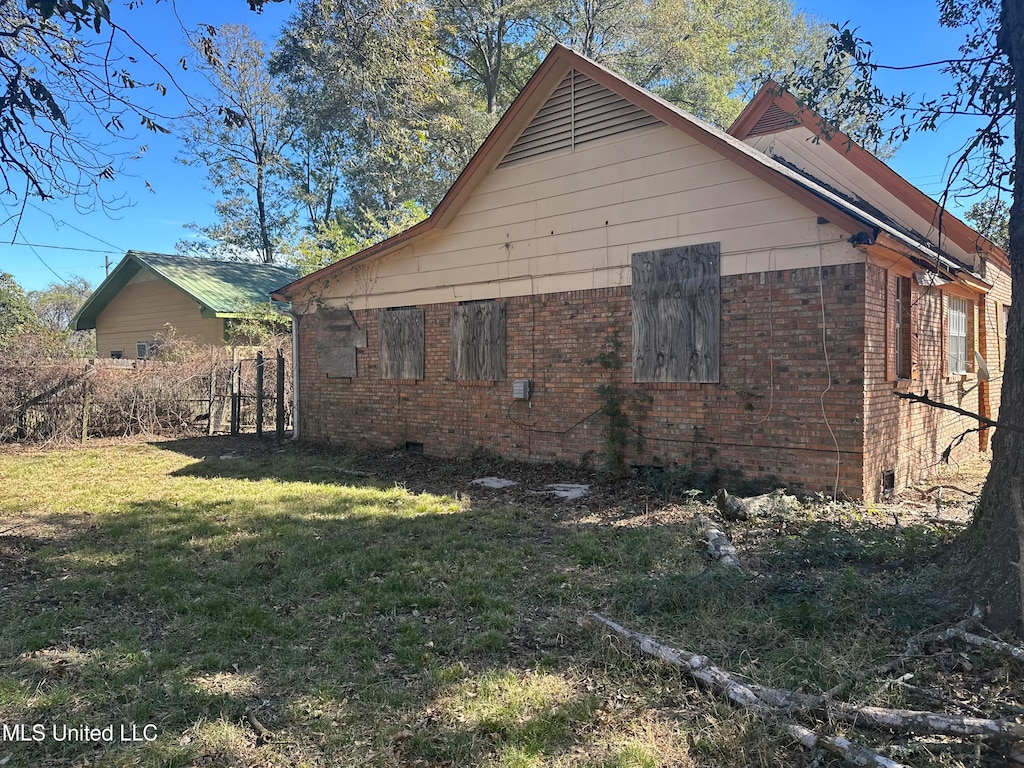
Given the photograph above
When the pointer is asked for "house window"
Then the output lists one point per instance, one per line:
(144, 349)
(677, 314)
(116, 354)
(478, 341)
(956, 322)
(401, 343)
(903, 332)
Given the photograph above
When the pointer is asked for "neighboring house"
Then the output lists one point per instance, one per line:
(147, 292)
(765, 296)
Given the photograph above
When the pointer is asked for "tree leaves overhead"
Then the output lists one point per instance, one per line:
(67, 93)
(238, 135)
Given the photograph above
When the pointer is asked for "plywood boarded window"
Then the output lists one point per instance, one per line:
(478, 341)
(337, 338)
(401, 344)
(677, 314)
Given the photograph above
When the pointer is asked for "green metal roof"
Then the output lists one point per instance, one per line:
(221, 288)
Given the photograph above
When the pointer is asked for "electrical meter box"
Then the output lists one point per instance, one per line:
(522, 389)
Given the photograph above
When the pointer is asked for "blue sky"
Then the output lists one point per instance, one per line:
(903, 32)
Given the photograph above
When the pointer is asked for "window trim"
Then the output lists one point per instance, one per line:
(958, 318)
(903, 329)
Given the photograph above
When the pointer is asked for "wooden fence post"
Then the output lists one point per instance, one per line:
(259, 394)
(280, 395)
(85, 404)
(236, 391)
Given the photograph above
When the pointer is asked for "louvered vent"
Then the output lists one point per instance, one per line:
(774, 119)
(580, 110)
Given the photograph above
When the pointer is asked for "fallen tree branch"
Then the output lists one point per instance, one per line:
(861, 676)
(837, 745)
(723, 682)
(925, 400)
(721, 549)
(762, 699)
(978, 641)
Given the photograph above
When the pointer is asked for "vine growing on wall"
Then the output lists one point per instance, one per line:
(621, 407)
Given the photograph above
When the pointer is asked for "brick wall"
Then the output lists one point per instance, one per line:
(904, 437)
(762, 422)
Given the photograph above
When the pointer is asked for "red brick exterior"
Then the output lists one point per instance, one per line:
(740, 425)
(910, 438)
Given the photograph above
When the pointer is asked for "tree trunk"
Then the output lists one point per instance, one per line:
(990, 549)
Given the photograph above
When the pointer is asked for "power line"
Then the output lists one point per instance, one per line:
(63, 248)
(55, 220)
(43, 262)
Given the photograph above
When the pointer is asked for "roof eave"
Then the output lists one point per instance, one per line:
(952, 227)
(86, 316)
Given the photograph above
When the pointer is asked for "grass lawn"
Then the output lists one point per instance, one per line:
(285, 608)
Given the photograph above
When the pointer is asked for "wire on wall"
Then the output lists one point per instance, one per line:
(828, 364)
(771, 341)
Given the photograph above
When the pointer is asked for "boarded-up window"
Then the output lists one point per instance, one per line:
(677, 314)
(401, 344)
(478, 341)
(337, 338)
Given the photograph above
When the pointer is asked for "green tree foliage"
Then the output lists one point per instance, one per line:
(487, 43)
(240, 138)
(377, 117)
(342, 237)
(16, 315)
(710, 56)
(991, 217)
(56, 305)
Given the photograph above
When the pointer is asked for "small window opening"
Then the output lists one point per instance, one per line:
(411, 447)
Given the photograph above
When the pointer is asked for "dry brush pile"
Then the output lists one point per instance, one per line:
(48, 398)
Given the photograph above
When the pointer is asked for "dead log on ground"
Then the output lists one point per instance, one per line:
(959, 631)
(852, 753)
(731, 507)
(773, 700)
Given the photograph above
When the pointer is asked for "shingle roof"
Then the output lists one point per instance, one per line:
(221, 288)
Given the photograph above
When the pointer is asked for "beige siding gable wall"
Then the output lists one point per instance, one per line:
(571, 221)
(835, 169)
(140, 311)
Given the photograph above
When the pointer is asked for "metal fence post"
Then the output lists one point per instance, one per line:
(236, 391)
(259, 394)
(280, 395)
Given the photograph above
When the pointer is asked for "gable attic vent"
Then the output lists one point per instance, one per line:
(774, 119)
(580, 110)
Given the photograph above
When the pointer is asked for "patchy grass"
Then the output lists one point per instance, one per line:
(364, 623)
